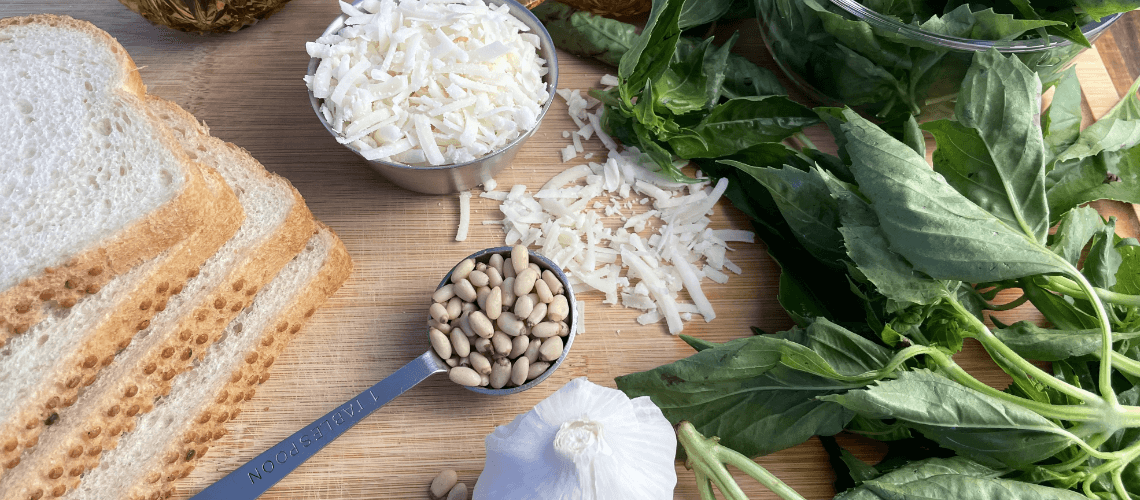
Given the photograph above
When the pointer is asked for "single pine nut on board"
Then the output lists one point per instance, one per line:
(499, 323)
(443, 483)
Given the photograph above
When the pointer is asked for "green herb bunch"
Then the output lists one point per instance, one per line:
(926, 251)
(888, 266)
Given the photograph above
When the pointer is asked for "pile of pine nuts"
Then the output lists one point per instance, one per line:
(499, 323)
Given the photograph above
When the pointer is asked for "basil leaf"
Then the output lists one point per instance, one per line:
(698, 12)
(1103, 259)
(1075, 230)
(912, 136)
(955, 486)
(652, 51)
(584, 34)
(739, 392)
(1061, 123)
(1046, 344)
(1098, 9)
(892, 275)
(1118, 129)
(927, 222)
(739, 123)
(1128, 276)
(829, 350)
(919, 471)
(978, 426)
(998, 100)
(1060, 312)
(744, 78)
(799, 299)
(806, 204)
(681, 88)
(1108, 175)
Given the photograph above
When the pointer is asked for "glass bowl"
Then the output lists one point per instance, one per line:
(885, 68)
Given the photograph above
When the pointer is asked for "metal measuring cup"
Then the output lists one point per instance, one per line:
(254, 478)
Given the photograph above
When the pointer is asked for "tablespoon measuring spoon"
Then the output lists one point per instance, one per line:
(262, 472)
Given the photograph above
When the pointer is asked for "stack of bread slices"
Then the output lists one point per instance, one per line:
(149, 272)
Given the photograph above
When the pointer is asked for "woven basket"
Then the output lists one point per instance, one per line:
(610, 8)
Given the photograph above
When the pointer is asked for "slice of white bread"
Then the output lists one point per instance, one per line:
(44, 369)
(276, 228)
(167, 442)
(91, 185)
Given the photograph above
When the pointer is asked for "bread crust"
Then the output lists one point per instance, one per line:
(154, 475)
(27, 303)
(209, 423)
(76, 447)
(130, 315)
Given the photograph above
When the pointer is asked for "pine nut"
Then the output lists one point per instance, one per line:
(523, 306)
(462, 270)
(463, 375)
(481, 325)
(496, 262)
(494, 277)
(545, 330)
(532, 351)
(510, 324)
(481, 295)
(536, 369)
(519, 371)
(502, 344)
(438, 312)
(543, 291)
(524, 282)
(454, 307)
(494, 303)
(478, 278)
(483, 365)
(445, 293)
(459, 343)
(440, 343)
(499, 323)
(552, 282)
(459, 492)
(520, 259)
(483, 346)
(550, 350)
(500, 374)
(518, 346)
(537, 315)
(465, 291)
(559, 308)
(443, 327)
(443, 483)
(508, 288)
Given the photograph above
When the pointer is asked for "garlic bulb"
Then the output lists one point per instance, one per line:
(584, 442)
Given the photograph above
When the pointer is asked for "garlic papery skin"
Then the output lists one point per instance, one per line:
(584, 442)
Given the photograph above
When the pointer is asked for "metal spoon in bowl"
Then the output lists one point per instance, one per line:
(262, 472)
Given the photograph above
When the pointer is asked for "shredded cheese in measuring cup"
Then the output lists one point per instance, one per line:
(425, 82)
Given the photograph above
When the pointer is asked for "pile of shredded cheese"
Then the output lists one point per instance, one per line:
(425, 82)
(602, 244)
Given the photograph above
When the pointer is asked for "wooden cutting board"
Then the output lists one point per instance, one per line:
(247, 87)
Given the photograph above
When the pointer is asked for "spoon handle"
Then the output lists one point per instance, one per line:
(259, 474)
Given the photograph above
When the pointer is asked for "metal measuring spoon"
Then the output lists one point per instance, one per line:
(262, 472)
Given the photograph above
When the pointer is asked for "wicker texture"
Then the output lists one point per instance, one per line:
(611, 8)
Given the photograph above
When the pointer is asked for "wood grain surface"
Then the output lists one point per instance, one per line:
(247, 87)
